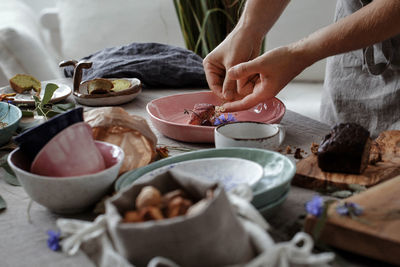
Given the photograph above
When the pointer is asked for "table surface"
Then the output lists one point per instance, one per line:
(23, 236)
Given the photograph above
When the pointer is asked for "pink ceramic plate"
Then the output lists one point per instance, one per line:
(167, 115)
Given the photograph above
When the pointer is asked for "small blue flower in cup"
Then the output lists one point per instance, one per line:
(53, 242)
(349, 208)
(222, 119)
(315, 206)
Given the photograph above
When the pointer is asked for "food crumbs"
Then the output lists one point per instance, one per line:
(314, 148)
(297, 154)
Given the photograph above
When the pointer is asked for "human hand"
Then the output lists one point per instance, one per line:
(239, 46)
(264, 76)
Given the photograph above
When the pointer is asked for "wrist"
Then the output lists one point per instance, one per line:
(250, 32)
(305, 53)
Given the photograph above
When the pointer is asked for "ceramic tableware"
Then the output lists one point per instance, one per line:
(71, 152)
(278, 170)
(10, 115)
(111, 98)
(230, 172)
(26, 98)
(271, 208)
(32, 140)
(69, 194)
(168, 117)
(249, 134)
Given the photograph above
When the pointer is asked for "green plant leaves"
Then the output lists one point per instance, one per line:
(206, 23)
(48, 93)
(43, 107)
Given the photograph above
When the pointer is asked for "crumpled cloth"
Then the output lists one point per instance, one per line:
(94, 240)
(155, 65)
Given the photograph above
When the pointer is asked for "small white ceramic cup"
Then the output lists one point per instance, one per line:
(249, 134)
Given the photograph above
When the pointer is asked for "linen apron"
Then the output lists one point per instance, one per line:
(363, 86)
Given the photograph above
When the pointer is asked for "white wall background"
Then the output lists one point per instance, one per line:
(300, 18)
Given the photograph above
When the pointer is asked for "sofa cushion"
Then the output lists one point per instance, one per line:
(91, 25)
(20, 53)
(22, 48)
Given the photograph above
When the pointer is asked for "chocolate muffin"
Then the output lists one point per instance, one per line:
(345, 149)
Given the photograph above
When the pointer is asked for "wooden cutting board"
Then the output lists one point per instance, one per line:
(378, 236)
(309, 175)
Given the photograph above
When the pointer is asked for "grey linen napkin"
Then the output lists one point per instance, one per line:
(156, 65)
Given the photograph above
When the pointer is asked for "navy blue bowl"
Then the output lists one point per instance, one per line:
(33, 140)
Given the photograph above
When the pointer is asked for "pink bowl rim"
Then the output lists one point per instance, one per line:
(50, 142)
(277, 118)
(120, 158)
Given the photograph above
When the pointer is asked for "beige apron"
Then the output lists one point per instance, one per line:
(363, 86)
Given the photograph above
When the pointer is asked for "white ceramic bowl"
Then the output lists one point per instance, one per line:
(249, 134)
(68, 194)
(230, 172)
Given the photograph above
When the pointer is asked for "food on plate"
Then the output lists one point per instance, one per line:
(7, 97)
(202, 114)
(150, 204)
(345, 149)
(120, 85)
(99, 86)
(208, 115)
(21, 83)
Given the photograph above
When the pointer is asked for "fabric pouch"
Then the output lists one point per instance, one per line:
(188, 240)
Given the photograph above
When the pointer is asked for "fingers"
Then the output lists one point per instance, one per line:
(246, 103)
(243, 70)
(229, 90)
(215, 77)
(246, 86)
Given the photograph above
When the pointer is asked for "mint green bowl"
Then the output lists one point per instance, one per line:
(11, 115)
(278, 170)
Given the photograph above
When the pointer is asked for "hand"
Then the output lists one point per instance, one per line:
(264, 76)
(239, 46)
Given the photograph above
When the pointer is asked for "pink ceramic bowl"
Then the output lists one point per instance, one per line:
(168, 117)
(71, 152)
(69, 194)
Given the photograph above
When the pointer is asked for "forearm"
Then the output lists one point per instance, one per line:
(260, 15)
(371, 24)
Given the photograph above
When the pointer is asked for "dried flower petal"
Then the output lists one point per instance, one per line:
(222, 119)
(53, 242)
(315, 206)
(349, 208)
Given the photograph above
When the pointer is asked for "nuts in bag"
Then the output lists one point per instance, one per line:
(205, 233)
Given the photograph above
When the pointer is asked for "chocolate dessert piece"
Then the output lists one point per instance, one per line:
(202, 114)
(345, 149)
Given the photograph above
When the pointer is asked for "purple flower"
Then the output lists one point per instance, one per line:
(315, 206)
(349, 208)
(53, 242)
(222, 119)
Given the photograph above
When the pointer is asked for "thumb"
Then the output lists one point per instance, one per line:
(243, 70)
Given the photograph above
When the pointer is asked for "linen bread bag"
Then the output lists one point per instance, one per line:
(210, 236)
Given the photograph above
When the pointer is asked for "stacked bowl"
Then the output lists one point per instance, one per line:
(62, 167)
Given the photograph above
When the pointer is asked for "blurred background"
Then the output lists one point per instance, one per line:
(36, 34)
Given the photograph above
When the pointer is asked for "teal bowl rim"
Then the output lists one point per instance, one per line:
(160, 163)
(19, 112)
